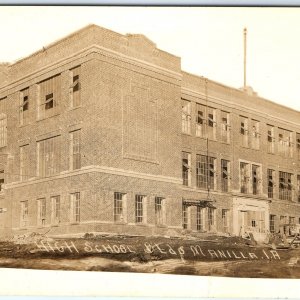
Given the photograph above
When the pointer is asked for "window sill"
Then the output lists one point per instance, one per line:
(74, 108)
(161, 226)
(24, 125)
(46, 118)
(141, 224)
(120, 223)
(205, 138)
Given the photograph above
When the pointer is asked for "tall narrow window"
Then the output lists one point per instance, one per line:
(50, 90)
(24, 106)
(24, 162)
(1, 180)
(271, 183)
(75, 207)
(298, 188)
(76, 86)
(41, 212)
(285, 186)
(200, 218)
(49, 156)
(224, 175)
(211, 123)
(55, 210)
(119, 205)
(24, 214)
(225, 220)
(159, 210)
(205, 172)
(225, 127)
(75, 153)
(271, 139)
(285, 142)
(298, 145)
(200, 120)
(3, 130)
(139, 208)
(186, 116)
(186, 168)
(255, 139)
(272, 223)
(244, 133)
(185, 216)
(210, 218)
(256, 181)
(244, 177)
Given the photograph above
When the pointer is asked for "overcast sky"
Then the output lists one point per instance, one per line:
(208, 40)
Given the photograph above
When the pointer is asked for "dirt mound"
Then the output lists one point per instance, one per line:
(30, 238)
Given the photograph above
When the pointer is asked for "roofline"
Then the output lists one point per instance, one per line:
(241, 91)
(52, 44)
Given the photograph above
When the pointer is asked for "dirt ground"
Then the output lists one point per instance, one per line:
(217, 256)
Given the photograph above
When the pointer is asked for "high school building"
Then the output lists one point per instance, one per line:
(104, 132)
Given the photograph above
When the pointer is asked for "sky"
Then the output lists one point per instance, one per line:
(208, 40)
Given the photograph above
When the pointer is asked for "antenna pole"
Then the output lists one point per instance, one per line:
(245, 55)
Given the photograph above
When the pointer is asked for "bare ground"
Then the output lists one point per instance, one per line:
(217, 256)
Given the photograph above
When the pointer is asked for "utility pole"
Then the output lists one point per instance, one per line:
(245, 56)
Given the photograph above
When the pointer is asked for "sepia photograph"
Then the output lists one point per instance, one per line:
(162, 140)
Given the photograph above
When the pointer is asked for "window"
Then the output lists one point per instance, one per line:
(24, 106)
(271, 139)
(119, 199)
(75, 155)
(186, 116)
(24, 214)
(255, 135)
(76, 86)
(298, 145)
(206, 122)
(224, 175)
(272, 223)
(285, 144)
(49, 156)
(1, 180)
(244, 177)
(55, 210)
(75, 207)
(200, 120)
(244, 131)
(211, 123)
(3, 130)
(205, 172)
(200, 218)
(50, 90)
(225, 220)
(41, 212)
(250, 178)
(225, 127)
(285, 186)
(298, 188)
(159, 211)
(186, 168)
(185, 216)
(24, 162)
(211, 218)
(139, 208)
(255, 180)
(271, 183)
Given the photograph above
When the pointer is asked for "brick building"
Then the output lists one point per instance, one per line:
(105, 132)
